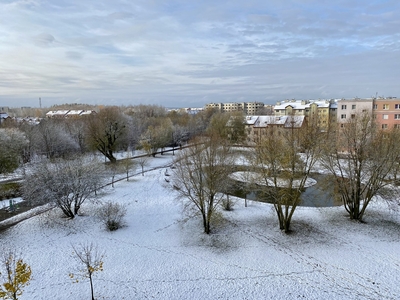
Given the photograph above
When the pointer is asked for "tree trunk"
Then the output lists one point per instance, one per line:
(91, 287)
(206, 223)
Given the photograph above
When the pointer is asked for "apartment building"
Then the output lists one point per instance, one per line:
(318, 112)
(257, 126)
(387, 112)
(248, 108)
(348, 109)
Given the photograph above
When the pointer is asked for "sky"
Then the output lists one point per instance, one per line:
(179, 53)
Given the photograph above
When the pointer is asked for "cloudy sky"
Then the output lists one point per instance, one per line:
(180, 53)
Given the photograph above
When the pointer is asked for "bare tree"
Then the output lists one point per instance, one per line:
(363, 159)
(236, 128)
(67, 184)
(143, 161)
(128, 164)
(282, 171)
(91, 258)
(158, 135)
(106, 131)
(77, 130)
(218, 124)
(200, 175)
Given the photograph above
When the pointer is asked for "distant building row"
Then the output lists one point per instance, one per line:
(325, 113)
(248, 108)
(386, 111)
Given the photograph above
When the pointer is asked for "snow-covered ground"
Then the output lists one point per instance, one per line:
(163, 254)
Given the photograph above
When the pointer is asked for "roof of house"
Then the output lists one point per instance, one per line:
(57, 113)
(74, 112)
(285, 121)
(250, 120)
(303, 104)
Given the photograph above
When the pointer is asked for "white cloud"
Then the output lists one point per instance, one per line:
(166, 52)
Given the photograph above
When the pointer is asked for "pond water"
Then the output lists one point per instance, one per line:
(318, 195)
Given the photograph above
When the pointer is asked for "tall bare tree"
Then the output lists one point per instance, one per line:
(158, 135)
(363, 159)
(201, 173)
(283, 160)
(106, 131)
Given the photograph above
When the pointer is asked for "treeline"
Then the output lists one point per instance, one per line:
(111, 129)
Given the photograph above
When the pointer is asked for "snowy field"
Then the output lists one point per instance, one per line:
(163, 254)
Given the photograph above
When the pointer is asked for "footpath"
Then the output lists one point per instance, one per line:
(23, 210)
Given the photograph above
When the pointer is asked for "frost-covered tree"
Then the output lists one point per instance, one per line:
(52, 139)
(15, 274)
(66, 183)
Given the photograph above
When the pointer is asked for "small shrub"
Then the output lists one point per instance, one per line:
(227, 204)
(112, 215)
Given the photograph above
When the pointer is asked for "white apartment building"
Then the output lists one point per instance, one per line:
(348, 108)
(248, 108)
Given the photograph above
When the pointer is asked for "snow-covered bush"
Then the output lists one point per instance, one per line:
(112, 215)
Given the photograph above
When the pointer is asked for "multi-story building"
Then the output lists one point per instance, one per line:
(248, 108)
(318, 112)
(387, 112)
(257, 126)
(348, 109)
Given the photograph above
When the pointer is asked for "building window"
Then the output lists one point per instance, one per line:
(384, 126)
(397, 116)
(385, 117)
(353, 106)
(397, 106)
(397, 126)
(375, 106)
(343, 116)
(385, 106)
(344, 106)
